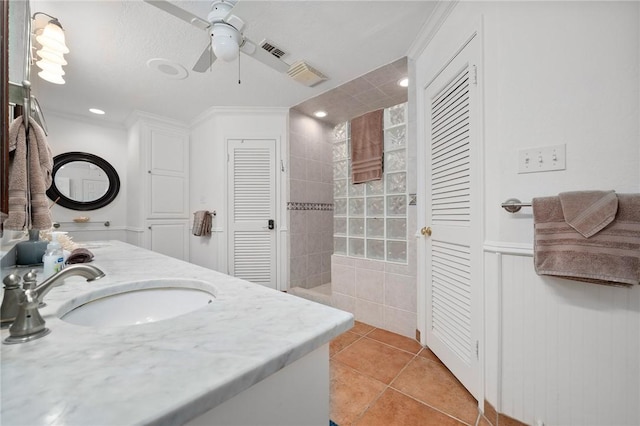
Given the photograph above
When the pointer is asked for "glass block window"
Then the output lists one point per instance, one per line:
(370, 219)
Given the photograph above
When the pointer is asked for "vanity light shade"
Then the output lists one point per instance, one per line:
(51, 53)
(50, 67)
(50, 77)
(51, 56)
(53, 37)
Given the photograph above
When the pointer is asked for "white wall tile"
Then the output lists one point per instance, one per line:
(401, 322)
(368, 264)
(342, 260)
(344, 302)
(370, 285)
(400, 292)
(370, 313)
(343, 279)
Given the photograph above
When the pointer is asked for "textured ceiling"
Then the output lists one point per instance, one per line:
(111, 41)
(375, 90)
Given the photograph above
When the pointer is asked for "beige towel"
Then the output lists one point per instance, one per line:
(589, 211)
(202, 223)
(611, 256)
(22, 213)
(367, 142)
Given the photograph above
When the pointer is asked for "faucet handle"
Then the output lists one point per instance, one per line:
(30, 280)
(11, 281)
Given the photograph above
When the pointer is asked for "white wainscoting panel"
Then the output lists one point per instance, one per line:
(568, 352)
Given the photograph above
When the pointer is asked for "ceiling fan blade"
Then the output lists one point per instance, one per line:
(205, 60)
(179, 13)
(258, 53)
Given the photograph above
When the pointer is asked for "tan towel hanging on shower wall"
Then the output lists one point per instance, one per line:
(367, 141)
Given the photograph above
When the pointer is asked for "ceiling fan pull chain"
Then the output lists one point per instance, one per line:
(210, 55)
(239, 64)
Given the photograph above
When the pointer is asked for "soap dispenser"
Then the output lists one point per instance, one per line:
(53, 258)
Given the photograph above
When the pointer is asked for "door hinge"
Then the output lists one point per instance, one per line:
(477, 349)
(474, 75)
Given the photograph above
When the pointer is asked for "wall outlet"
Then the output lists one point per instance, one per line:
(543, 159)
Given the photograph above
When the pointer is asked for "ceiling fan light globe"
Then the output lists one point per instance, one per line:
(225, 41)
(225, 48)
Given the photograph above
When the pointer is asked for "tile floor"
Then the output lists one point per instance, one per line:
(382, 378)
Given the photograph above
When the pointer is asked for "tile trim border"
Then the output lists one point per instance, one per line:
(292, 205)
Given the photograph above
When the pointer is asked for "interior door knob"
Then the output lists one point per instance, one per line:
(426, 231)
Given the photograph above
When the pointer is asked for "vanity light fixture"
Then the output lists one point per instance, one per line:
(404, 82)
(96, 111)
(52, 49)
(320, 114)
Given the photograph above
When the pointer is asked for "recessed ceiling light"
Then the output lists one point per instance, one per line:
(320, 114)
(403, 82)
(168, 69)
(96, 111)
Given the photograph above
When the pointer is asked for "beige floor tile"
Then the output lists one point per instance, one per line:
(351, 393)
(484, 422)
(341, 342)
(395, 340)
(426, 353)
(374, 359)
(361, 328)
(431, 383)
(396, 409)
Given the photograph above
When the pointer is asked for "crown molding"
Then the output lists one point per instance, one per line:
(430, 28)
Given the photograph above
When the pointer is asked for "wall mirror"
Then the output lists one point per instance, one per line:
(83, 181)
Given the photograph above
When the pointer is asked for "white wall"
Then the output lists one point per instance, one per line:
(553, 73)
(208, 176)
(70, 133)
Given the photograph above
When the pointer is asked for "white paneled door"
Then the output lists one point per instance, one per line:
(252, 210)
(453, 235)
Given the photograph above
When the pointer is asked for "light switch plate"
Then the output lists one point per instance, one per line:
(543, 159)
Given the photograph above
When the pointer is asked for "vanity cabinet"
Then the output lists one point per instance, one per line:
(158, 185)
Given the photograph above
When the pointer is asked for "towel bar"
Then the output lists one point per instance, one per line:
(513, 205)
(57, 225)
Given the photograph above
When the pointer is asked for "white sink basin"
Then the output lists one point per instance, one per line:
(157, 301)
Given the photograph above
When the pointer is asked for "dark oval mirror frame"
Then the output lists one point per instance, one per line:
(114, 182)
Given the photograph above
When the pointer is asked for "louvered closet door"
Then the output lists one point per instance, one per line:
(453, 279)
(252, 202)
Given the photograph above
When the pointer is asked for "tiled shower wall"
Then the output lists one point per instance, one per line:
(310, 201)
(374, 264)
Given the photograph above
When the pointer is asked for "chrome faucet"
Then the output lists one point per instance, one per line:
(12, 294)
(29, 324)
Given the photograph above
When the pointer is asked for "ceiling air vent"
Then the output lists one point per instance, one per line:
(306, 74)
(273, 49)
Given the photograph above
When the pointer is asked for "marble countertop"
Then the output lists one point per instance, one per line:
(160, 373)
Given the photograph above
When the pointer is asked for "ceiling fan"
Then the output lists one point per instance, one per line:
(225, 30)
